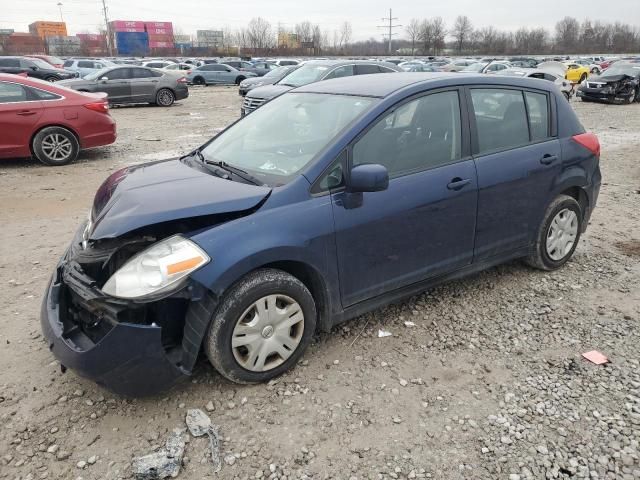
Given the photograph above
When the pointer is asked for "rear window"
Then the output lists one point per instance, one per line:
(9, 62)
(85, 64)
(538, 109)
(43, 95)
(501, 119)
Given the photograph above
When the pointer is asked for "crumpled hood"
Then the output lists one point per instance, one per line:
(269, 91)
(609, 78)
(158, 192)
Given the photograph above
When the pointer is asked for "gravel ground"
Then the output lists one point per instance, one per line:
(485, 382)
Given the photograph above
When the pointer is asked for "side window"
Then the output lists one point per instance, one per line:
(332, 178)
(12, 92)
(26, 63)
(367, 69)
(538, 107)
(386, 69)
(345, 71)
(501, 119)
(67, 63)
(117, 74)
(217, 68)
(539, 75)
(142, 73)
(421, 134)
(42, 95)
(85, 64)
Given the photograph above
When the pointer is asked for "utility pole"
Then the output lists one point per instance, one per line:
(106, 24)
(391, 26)
(60, 7)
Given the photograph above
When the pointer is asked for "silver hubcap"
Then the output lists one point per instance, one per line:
(165, 98)
(57, 147)
(562, 234)
(267, 333)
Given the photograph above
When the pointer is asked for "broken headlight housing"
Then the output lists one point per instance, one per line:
(160, 268)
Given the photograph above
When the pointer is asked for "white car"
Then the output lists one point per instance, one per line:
(588, 62)
(158, 63)
(180, 69)
(564, 85)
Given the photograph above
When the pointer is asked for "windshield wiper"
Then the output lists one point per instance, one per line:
(231, 169)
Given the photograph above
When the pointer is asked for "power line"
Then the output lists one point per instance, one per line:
(391, 26)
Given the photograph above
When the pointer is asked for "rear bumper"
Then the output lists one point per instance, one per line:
(182, 93)
(105, 136)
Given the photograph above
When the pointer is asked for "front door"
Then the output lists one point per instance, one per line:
(116, 84)
(144, 84)
(423, 225)
(518, 159)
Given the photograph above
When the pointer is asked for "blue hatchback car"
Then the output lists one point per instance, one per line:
(329, 201)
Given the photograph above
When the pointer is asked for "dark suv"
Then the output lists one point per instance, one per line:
(332, 200)
(314, 71)
(34, 67)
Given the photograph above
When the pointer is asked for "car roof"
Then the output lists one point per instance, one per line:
(383, 85)
(337, 63)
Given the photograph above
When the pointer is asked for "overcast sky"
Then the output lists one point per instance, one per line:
(364, 15)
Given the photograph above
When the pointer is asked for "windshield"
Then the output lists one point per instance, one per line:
(97, 74)
(277, 72)
(54, 60)
(304, 75)
(277, 140)
(630, 70)
(511, 73)
(475, 67)
(41, 63)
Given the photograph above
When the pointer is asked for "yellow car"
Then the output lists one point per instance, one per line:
(576, 73)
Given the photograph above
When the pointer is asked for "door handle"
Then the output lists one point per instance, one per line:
(548, 159)
(26, 113)
(458, 183)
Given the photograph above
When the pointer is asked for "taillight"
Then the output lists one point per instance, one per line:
(589, 141)
(182, 80)
(102, 107)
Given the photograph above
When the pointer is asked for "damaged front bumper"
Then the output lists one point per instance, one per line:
(600, 95)
(133, 349)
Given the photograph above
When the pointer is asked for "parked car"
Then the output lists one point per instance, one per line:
(270, 78)
(259, 68)
(50, 122)
(285, 62)
(217, 74)
(180, 69)
(565, 86)
(594, 68)
(418, 67)
(157, 64)
(34, 67)
(85, 66)
(131, 84)
(457, 65)
(576, 73)
(620, 83)
(329, 201)
(524, 62)
(314, 71)
(486, 67)
(206, 61)
(56, 62)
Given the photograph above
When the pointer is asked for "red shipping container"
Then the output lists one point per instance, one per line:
(160, 38)
(127, 26)
(161, 45)
(165, 25)
(159, 31)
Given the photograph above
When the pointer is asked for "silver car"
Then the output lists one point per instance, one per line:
(132, 84)
(217, 74)
(86, 66)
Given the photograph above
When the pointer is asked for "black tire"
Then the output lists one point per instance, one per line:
(52, 78)
(239, 79)
(240, 297)
(539, 256)
(567, 96)
(42, 150)
(165, 97)
(595, 71)
(583, 77)
(633, 96)
(199, 81)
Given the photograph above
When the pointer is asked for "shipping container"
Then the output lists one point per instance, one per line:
(92, 37)
(161, 38)
(163, 25)
(47, 29)
(132, 43)
(182, 38)
(6, 31)
(203, 35)
(161, 44)
(159, 31)
(60, 40)
(126, 26)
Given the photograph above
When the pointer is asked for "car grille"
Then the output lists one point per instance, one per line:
(251, 103)
(595, 85)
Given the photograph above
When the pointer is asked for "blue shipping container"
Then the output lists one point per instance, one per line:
(132, 43)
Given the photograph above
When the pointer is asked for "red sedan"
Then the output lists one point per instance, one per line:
(51, 122)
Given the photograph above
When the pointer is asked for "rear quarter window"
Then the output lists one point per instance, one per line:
(12, 92)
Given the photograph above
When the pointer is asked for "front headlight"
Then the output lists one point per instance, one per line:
(157, 269)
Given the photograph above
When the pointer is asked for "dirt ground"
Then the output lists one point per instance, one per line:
(488, 382)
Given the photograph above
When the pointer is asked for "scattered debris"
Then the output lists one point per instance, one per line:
(199, 424)
(384, 333)
(165, 463)
(409, 324)
(595, 357)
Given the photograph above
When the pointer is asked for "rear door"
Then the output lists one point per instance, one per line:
(144, 84)
(117, 84)
(19, 114)
(10, 65)
(518, 158)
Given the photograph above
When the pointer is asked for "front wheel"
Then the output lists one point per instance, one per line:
(165, 97)
(261, 327)
(239, 79)
(51, 79)
(55, 146)
(199, 81)
(558, 235)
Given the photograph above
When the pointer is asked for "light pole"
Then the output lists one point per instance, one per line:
(60, 7)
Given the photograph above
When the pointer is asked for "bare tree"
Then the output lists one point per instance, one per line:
(259, 34)
(345, 34)
(304, 31)
(413, 30)
(426, 36)
(439, 31)
(461, 32)
(567, 34)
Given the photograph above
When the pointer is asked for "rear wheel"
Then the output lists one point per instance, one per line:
(165, 97)
(55, 146)
(261, 327)
(632, 97)
(199, 81)
(558, 235)
(51, 78)
(595, 71)
(583, 77)
(239, 79)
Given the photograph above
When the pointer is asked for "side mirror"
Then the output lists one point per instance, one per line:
(34, 68)
(368, 178)
(104, 79)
